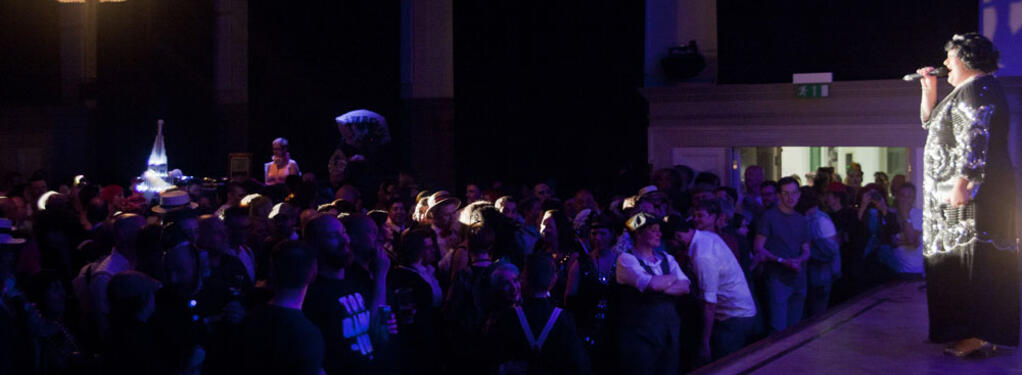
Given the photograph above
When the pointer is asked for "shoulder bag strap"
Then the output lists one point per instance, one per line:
(524, 323)
(546, 329)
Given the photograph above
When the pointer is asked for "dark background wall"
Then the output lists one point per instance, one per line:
(765, 42)
(29, 53)
(548, 90)
(154, 61)
(309, 63)
(543, 89)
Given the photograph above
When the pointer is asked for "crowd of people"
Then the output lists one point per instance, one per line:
(304, 276)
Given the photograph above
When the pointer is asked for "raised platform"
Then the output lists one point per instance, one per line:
(882, 332)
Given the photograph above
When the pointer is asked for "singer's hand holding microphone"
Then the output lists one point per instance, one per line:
(927, 76)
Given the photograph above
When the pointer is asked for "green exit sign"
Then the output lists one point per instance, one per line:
(812, 90)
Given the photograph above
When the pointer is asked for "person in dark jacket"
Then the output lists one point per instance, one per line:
(416, 296)
(537, 337)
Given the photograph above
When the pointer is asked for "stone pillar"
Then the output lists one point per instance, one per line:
(427, 88)
(70, 145)
(230, 76)
(77, 49)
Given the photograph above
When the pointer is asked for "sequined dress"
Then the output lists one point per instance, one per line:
(971, 251)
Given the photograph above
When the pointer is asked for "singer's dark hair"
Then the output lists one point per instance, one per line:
(975, 50)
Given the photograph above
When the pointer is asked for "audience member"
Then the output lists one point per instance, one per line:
(909, 254)
(122, 258)
(341, 307)
(530, 215)
(370, 262)
(506, 286)
(13, 335)
(707, 179)
(397, 217)
(417, 299)
(132, 345)
(191, 310)
(276, 338)
(472, 193)
(782, 245)
(854, 180)
(542, 192)
(238, 225)
(537, 337)
(824, 265)
(649, 325)
(230, 197)
(686, 283)
(582, 200)
(589, 293)
(872, 246)
(222, 263)
(466, 306)
(56, 346)
(440, 216)
(768, 194)
(728, 310)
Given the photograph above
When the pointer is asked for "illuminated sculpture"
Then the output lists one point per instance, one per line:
(156, 178)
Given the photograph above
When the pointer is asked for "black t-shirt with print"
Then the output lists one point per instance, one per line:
(340, 309)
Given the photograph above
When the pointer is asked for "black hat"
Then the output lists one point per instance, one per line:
(639, 221)
(596, 221)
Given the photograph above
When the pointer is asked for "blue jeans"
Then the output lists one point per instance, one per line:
(730, 335)
(786, 297)
(820, 280)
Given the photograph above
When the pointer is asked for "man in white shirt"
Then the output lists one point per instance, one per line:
(121, 258)
(728, 308)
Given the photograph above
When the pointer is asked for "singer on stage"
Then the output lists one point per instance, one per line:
(970, 244)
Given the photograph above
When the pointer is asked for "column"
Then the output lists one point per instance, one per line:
(230, 75)
(427, 88)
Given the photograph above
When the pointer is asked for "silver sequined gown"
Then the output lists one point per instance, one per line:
(971, 252)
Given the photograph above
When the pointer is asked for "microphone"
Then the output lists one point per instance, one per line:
(939, 72)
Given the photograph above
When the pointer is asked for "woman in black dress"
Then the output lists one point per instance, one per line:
(589, 293)
(970, 243)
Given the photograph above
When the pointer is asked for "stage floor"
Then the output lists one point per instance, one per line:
(883, 332)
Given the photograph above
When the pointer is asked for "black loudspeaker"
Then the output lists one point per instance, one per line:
(683, 62)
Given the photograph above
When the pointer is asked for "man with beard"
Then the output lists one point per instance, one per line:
(370, 263)
(337, 304)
